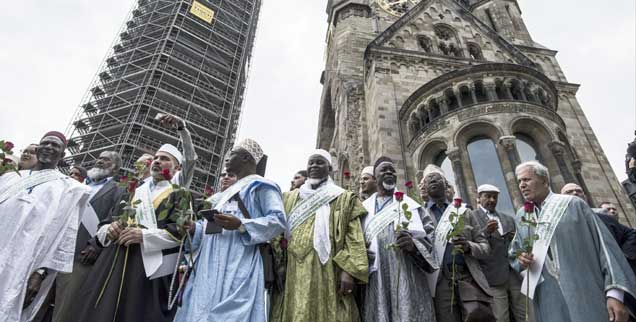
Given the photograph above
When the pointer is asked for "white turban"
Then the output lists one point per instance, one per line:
(323, 154)
(253, 148)
(367, 170)
(487, 188)
(173, 151)
(431, 168)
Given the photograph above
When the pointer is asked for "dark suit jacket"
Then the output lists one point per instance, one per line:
(497, 267)
(625, 237)
(103, 202)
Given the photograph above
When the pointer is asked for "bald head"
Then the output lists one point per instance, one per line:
(574, 189)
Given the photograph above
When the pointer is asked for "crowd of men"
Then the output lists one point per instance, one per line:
(96, 246)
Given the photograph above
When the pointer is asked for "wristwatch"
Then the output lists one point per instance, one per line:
(242, 229)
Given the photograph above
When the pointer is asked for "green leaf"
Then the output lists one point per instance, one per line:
(163, 215)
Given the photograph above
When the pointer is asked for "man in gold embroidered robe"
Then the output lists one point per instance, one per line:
(325, 254)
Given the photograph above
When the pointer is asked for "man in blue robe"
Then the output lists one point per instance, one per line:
(577, 271)
(227, 282)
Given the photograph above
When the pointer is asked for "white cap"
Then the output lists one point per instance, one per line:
(172, 150)
(487, 188)
(431, 168)
(368, 170)
(253, 148)
(323, 154)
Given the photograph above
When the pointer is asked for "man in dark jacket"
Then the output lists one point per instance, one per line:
(105, 196)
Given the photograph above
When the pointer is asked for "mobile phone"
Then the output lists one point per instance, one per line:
(212, 227)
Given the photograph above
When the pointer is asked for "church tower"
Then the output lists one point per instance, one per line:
(460, 84)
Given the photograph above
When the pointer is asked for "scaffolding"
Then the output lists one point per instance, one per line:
(167, 60)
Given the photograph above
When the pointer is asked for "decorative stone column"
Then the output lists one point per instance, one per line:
(491, 91)
(507, 89)
(454, 155)
(558, 151)
(443, 105)
(458, 97)
(509, 143)
(577, 165)
(471, 86)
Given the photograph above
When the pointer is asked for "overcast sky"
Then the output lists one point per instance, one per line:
(50, 51)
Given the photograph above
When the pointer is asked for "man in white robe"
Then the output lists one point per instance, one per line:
(40, 211)
(577, 271)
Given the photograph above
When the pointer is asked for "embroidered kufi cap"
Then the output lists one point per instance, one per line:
(253, 148)
(56, 134)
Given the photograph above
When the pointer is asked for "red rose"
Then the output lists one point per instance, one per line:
(283, 244)
(347, 174)
(132, 185)
(528, 206)
(166, 174)
(409, 184)
(457, 202)
(208, 191)
(8, 146)
(399, 196)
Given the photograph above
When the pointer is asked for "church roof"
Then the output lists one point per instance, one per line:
(415, 12)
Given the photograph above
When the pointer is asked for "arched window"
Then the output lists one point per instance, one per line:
(480, 92)
(465, 96)
(435, 111)
(487, 170)
(515, 90)
(526, 148)
(529, 95)
(423, 115)
(425, 43)
(475, 52)
(500, 89)
(453, 103)
(447, 41)
(444, 162)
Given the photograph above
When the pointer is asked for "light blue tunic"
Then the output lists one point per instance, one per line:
(584, 262)
(228, 283)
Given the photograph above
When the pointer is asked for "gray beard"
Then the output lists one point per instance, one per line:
(313, 181)
(97, 174)
(388, 187)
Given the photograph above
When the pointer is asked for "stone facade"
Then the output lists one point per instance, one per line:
(423, 85)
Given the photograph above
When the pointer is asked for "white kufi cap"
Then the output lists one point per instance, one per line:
(487, 188)
(253, 148)
(173, 151)
(323, 154)
(368, 170)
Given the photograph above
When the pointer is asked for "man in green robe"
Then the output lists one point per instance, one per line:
(324, 248)
(577, 271)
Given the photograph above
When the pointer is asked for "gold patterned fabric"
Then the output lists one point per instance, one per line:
(311, 289)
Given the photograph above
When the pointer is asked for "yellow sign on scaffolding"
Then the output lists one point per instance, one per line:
(206, 14)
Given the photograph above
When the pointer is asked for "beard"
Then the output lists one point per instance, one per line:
(388, 187)
(97, 174)
(314, 181)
